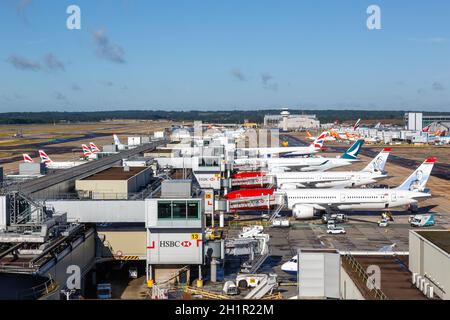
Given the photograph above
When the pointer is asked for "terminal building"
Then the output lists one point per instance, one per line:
(291, 122)
(114, 183)
(417, 120)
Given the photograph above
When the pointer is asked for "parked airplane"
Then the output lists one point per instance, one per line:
(88, 154)
(314, 147)
(370, 140)
(329, 137)
(50, 164)
(291, 266)
(94, 148)
(120, 145)
(304, 164)
(306, 203)
(370, 174)
(357, 124)
(27, 158)
(351, 137)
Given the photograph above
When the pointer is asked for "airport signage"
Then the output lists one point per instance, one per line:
(208, 180)
(174, 248)
(209, 201)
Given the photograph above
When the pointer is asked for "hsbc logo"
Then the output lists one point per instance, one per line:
(175, 244)
(186, 244)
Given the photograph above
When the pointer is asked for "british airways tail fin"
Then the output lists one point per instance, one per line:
(353, 151)
(27, 158)
(86, 151)
(319, 141)
(418, 179)
(44, 157)
(377, 164)
(94, 148)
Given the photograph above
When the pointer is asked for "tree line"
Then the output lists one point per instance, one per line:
(232, 116)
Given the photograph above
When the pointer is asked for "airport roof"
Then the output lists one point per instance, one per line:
(395, 277)
(440, 238)
(116, 173)
(161, 151)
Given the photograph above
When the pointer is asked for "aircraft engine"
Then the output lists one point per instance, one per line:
(303, 211)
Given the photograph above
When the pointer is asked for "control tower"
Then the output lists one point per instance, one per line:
(285, 116)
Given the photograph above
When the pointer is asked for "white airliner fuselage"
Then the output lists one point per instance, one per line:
(281, 150)
(293, 180)
(351, 199)
(306, 203)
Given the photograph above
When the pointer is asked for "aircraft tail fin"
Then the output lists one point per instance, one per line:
(116, 140)
(94, 148)
(27, 158)
(418, 179)
(319, 141)
(353, 151)
(377, 164)
(86, 151)
(44, 157)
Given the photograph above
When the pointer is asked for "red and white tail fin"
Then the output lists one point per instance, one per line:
(94, 148)
(319, 141)
(418, 179)
(27, 158)
(86, 151)
(44, 157)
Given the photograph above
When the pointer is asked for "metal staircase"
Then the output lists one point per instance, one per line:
(264, 287)
(280, 207)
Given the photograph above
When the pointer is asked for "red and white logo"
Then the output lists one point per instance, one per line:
(94, 148)
(44, 157)
(186, 244)
(86, 151)
(27, 158)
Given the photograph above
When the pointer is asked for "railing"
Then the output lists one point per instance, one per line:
(205, 294)
(274, 296)
(39, 291)
(277, 211)
(239, 224)
(362, 275)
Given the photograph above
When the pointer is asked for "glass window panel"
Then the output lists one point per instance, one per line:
(193, 209)
(179, 209)
(164, 210)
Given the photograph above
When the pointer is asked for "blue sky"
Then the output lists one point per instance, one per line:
(224, 55)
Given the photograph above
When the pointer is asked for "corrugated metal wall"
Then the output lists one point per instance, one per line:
(101, 211)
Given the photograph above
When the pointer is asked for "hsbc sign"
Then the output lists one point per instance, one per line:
(208, 180)
(174, 248)
(175, 244)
